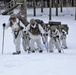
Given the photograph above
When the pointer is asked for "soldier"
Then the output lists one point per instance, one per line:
(17, 28)
(63, 39)
(35, 31)
(54, 39)
(44, 37)
(25, 40)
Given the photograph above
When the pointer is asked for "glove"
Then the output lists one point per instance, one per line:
(57, 36)
(24, 31)
(21, 28)
(46, 34)
(43, 42)
(4, 24)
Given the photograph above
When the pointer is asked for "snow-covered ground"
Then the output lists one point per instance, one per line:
(39, 64)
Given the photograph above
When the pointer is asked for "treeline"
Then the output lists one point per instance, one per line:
(54, 2)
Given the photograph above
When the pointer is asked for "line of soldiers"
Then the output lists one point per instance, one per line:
(36, 32)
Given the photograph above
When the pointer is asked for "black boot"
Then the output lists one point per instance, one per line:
(25, 50)
(17, 52)
(59, 51)
(33, 51)
(65, 47)
(29, 51)
(40, 51)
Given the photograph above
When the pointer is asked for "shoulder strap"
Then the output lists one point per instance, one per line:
(18, 23)
(11, 23)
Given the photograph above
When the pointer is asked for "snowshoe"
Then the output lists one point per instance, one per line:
(17, 52)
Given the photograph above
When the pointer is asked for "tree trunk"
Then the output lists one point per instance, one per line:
(56, 7)
(50, 6)
(24, 9)
(41, 6)
(34, 6)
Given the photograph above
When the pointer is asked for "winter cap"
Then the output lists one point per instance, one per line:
(32, 21)
(53, 27)
(12, 16)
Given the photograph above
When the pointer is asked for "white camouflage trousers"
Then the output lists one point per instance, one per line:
(38, 42)
(53, 42)
(63, 42)
(25, 43)
(17, 41)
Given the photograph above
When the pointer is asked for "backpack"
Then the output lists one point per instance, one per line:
(22, 19)
(65, 27)
(55, 24)
(35, 31)
(40, 22)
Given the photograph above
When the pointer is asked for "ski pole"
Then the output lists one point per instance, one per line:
(43, 39)
(3, 38)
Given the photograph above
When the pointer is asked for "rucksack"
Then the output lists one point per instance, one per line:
(22, 19)
(65, 27)
(55, 24)
(40, 22)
